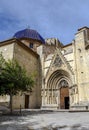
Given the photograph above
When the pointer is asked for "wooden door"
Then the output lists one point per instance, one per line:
(26, 101)
(64, 98)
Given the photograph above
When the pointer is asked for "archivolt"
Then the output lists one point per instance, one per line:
(56, 77)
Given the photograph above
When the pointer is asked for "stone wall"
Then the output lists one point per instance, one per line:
(7, 50)
(30, 61)
(82, 65)
(35, 43)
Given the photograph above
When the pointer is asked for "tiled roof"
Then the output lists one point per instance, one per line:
(29, 33)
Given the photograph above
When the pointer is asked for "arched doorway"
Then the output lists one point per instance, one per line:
(56, 92)
(64, 95)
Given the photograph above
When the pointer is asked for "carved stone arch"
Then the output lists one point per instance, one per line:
(52, 88)
(55, 76)
(64, 97)
(64, 82)
(64, 79)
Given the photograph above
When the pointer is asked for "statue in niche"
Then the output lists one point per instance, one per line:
(54, 100)
(45, 93)
(57, 61)
(42, 93)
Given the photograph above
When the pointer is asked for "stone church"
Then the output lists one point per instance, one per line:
(61, 71)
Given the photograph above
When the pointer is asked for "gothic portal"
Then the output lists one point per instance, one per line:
(56, 92)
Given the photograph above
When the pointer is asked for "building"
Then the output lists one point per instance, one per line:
(62, 71)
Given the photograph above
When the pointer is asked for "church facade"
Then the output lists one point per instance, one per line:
(61, 71)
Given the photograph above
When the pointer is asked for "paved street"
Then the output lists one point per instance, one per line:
(40, 120)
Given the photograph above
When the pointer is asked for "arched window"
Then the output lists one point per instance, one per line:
(31, 45)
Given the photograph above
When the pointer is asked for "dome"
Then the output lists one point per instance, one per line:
(29, 33)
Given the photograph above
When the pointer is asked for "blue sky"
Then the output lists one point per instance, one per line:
(51, 18)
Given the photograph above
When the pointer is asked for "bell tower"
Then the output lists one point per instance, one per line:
(81, 46)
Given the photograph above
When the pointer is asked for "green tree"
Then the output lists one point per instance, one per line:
(13, 79)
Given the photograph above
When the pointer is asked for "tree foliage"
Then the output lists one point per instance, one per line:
(13, 78)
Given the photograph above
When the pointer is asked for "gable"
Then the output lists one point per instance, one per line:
(58, 61)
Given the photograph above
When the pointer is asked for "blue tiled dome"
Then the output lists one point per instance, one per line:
(29, 33)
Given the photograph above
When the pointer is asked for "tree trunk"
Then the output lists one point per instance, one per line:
(11, 102)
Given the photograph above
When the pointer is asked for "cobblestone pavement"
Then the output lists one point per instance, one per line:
(45, 121)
